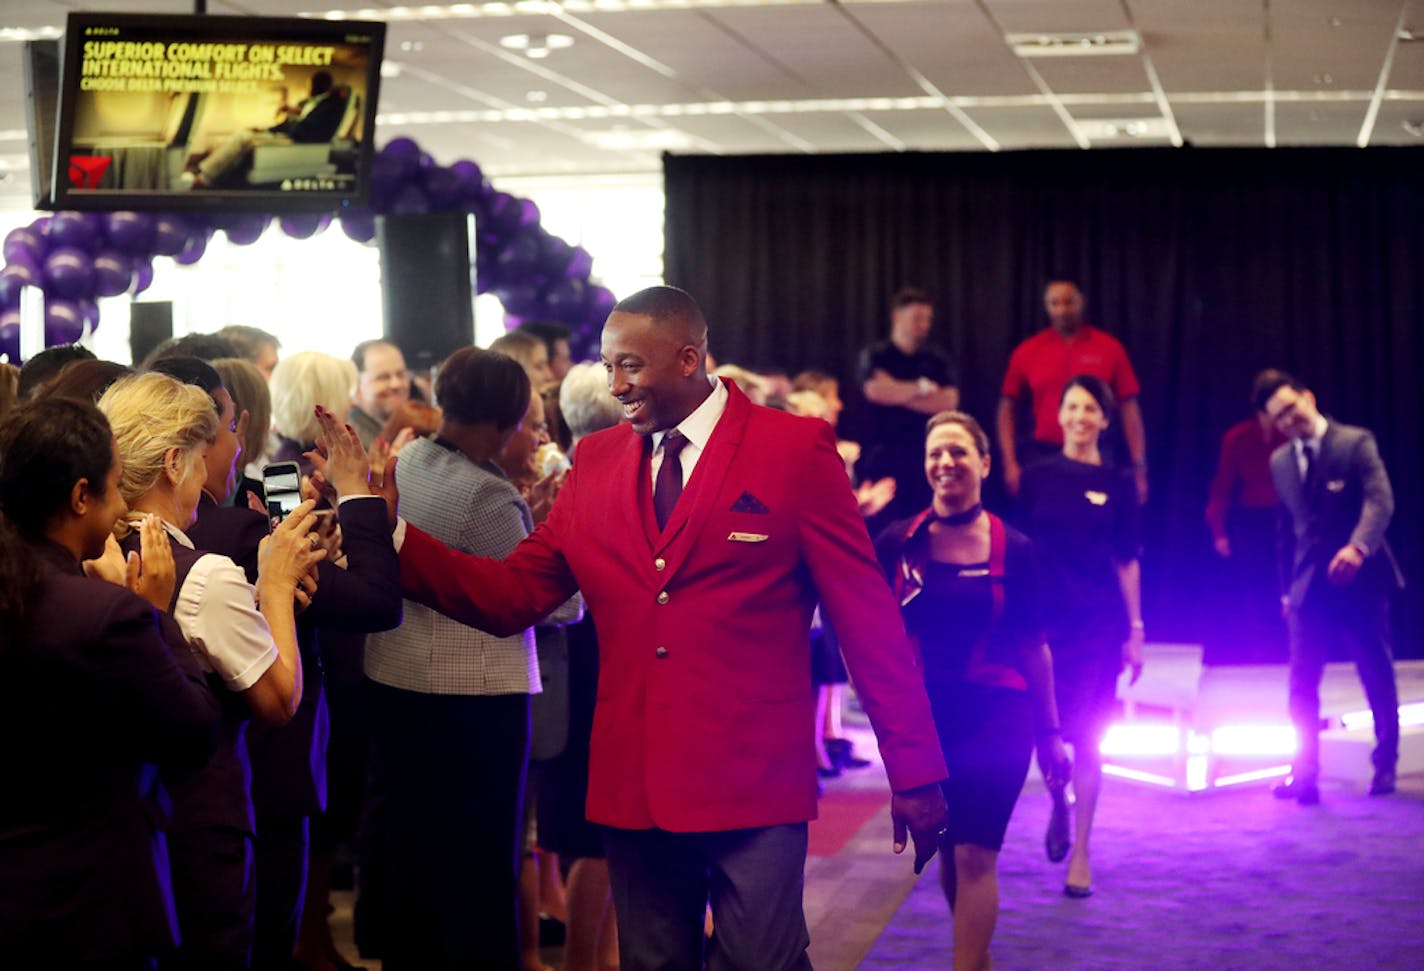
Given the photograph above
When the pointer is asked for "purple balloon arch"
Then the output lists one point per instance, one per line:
(76, 257)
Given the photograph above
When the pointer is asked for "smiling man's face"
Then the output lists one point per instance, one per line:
(650, 370)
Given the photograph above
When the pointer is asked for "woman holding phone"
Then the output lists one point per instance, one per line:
(968, 590)
(163, 429)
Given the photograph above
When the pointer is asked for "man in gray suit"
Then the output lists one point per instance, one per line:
(1337, 572)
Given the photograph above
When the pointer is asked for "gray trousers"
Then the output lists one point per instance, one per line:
(662, 883)
(1359, 618)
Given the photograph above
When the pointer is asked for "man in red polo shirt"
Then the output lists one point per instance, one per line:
(1042, 365)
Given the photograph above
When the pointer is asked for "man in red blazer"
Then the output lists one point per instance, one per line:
(703, 761)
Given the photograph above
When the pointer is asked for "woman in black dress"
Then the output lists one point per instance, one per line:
(1082, 515)
(967, 588)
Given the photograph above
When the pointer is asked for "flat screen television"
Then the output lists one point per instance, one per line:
(40, 64)
(215, 113)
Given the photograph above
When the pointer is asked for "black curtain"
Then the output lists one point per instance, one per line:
(1207, 264)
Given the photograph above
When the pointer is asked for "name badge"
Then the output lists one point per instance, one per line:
(748, 537)
(974, 573)
(1096, 498)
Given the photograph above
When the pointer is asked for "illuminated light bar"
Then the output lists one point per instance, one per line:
(1149, 777)
(1274, 772)
(18, 35)
(1410, 716)
(1197, 766)
(519, 8)
(1141, 740)
(1253, 740)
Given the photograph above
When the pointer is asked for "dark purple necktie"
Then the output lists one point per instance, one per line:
(668, 487)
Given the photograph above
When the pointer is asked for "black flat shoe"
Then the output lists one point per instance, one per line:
(1305, 793)
(1077, 892)
(1383, 783)
(1056, 841)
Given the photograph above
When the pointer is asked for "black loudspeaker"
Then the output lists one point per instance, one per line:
(425, 285)
(150, 324)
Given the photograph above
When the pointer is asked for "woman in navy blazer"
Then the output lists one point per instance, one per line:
(97, 693)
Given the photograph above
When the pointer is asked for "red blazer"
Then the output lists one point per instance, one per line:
(705, 710)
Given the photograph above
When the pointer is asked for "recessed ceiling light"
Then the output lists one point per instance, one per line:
(1109, 129)
(412, 45)
(536, 46)
(537, 97)
(390, 69)
(1080, 44)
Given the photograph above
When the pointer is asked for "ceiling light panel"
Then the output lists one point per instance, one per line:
(1075, 45)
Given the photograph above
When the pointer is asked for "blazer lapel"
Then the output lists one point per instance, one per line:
(706, 482)
(630, 491)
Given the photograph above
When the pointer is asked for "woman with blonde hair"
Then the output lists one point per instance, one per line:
(162, 430)
(299, 384)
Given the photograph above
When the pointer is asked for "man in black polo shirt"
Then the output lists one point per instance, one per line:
(905, 380)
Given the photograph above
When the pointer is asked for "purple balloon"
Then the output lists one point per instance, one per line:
(170, 234)
(512, 321)
(501, 215)
(517, 298)
(130, 232)
(387, 176)
(442, 186)
(598, 304)
(405, 153)
(143, 277)
(24, 245)
(14, 278)
(427, 161)
(359, 224)
(41, 225)
(566, 299)
(246, 229)
(90, 311)
(554, 254)
(69, 273)
(473, 187)
(10, 335)
(193, 249)
(519, 258)
(80, 230)
(528, 213)
(304, 225)
(579, 265)
(411, 200)
(113, 273)
(64, 322)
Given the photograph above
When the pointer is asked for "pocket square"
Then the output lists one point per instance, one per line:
(747, 502)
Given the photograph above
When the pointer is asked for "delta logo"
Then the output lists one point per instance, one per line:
(85, 171)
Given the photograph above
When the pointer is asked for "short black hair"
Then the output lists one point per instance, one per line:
(46, 446)
(1096, 387)
(191, 370)
(46, 364)
(1265, 385)
(321, 82)
(666, 305)
(477, 387)
(906, 296)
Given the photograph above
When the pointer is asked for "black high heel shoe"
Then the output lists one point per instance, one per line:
(1056, 841)
(842, 756)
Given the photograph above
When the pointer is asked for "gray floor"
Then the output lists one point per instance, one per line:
(1224, 880)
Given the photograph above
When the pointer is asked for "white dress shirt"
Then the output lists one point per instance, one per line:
(697, 428)
(1314, 442)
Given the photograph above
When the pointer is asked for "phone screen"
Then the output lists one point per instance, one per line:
(283, 484)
